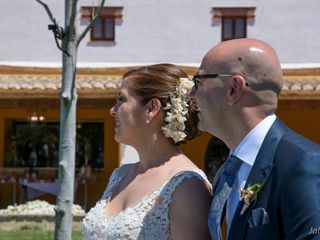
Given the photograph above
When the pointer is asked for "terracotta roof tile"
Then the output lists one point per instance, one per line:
(44, 82)
(11, 84)
(304, 87)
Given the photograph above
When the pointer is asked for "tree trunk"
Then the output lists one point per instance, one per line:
(68, 103)
(67, 139)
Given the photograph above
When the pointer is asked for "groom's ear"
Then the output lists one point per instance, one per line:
(237, 89)
(152, 108)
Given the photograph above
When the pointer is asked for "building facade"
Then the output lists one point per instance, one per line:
(130, 34)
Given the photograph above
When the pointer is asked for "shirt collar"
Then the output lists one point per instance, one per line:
(249, 147)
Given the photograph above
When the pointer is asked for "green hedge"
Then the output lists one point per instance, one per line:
(34, 234)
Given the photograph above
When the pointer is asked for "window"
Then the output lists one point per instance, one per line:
(234, 21)
(103, 29)
(36, 146)
(233, 28)
(104, 26)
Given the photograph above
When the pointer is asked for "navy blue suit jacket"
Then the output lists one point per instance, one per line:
(289, 166)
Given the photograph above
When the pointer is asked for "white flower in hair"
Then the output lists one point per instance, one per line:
(177, 111)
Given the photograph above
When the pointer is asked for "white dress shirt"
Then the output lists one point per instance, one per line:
(247, 151)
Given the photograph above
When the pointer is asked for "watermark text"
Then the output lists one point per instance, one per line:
(314, 230)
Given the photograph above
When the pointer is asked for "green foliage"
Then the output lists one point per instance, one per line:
(34, 234)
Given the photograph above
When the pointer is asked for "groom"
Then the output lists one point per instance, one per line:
(269, 187)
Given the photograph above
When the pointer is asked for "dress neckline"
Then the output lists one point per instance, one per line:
(146, 196)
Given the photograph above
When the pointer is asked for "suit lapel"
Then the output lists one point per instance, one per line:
(259, 173)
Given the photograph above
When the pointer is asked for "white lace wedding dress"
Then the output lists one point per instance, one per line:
(146, 219)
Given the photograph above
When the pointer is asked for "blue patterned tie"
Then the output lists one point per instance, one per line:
(221, 194)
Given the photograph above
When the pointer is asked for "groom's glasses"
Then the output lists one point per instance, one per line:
(198, 77)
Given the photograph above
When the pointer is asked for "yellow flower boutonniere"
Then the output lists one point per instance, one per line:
(248, 195)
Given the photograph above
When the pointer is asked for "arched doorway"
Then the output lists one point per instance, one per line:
(216, 153)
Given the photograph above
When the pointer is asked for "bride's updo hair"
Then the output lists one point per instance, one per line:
(158, 81)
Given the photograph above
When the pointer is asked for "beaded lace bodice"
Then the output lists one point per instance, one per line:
(146, 219)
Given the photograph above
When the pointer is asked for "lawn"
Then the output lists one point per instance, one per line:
(34, 234)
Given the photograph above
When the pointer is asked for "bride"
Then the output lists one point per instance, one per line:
(164, 195)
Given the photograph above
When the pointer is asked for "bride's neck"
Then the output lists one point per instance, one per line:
(156, 156)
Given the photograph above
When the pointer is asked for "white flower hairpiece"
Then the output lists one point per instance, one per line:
(177, 111)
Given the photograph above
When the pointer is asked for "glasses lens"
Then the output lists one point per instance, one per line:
(195, 81)
(197, 78)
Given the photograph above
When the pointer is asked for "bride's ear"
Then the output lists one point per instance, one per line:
(152, 108)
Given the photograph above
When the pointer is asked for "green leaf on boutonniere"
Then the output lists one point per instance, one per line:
(248, 195)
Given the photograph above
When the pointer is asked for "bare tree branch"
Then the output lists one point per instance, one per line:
(58, 31)
(48, 11)
(85, 31)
